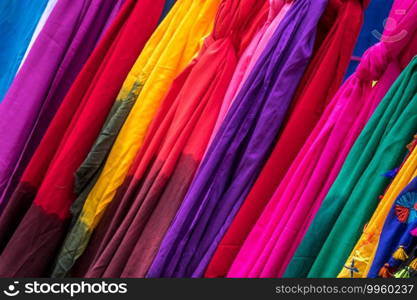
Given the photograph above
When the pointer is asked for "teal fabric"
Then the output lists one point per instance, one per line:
(18, 20)
(354, 195)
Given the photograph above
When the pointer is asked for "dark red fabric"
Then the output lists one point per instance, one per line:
(173, 148)
(338, 30)
(50, 174)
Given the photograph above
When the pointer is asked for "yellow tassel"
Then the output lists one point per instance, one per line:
(400, 254)
(404, 273)
(384, 272)
(413, 264)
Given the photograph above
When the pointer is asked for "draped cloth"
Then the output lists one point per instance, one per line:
(364, 251)
(45, 15)
(240, 147)
(174, 44)
(47, 184)
(18, 20)
(338, 29)
(372, 29)
(398, 227)
(61, 49)
(277, 11)
(175, 143)
(383, 62)
(386, 133)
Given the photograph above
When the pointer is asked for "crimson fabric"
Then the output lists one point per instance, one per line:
(47, 184)
(240, 148)
(173, 148)
(55, 59)
(340, 24)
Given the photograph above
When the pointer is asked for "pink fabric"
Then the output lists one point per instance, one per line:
(278, 9)
(283, 223)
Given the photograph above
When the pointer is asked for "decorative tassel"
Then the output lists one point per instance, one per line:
(413, 264)
(404, 273)
(384, 272)
(402, 213)
(414, 232)
(400, 254)
(391, 174)
(411, 146)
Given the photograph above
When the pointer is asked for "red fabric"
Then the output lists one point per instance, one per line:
(49, 178)
(145, 205)
(340, 26)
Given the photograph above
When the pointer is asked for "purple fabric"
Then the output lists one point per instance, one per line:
(241, 146)
(64, 44)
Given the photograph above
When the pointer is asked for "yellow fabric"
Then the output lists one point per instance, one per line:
(365, 249)
(176, 41)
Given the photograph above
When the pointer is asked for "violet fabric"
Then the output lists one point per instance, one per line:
(241, 146)
(61, 49)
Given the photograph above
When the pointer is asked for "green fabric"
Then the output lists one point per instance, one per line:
(354, 195)
(85, 179)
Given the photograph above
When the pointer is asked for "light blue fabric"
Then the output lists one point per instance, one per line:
(18, 20)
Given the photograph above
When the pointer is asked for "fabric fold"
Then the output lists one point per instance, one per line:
(102, 172)
(240, 147)
(337, 34)
(46, 188)
(60, 51)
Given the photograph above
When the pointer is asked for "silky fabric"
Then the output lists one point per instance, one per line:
(381, 64)
(47, 184)
(164, 57)
(319, 84)
(363, 253)
(18, 20)
(277, 11)
(23, 196)
(397, 230)
(172, 150)
(379, 148)
(63, 46)
(240, 147)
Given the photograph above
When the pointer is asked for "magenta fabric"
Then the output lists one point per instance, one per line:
(273, 241)
(278, 9)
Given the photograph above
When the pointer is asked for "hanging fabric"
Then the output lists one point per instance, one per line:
(277, 11)
(47, 184)
(174, 145)
(338, 29)
(32, 101)
(364, 251)
(18, 20)
(358, 184)
(372, 29)
(378, 69)
(45, 15)
(175, 43)
(240, 147)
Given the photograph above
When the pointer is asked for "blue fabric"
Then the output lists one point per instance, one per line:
(396, 233)
(18, 20)
(373, 26)
(167, 8)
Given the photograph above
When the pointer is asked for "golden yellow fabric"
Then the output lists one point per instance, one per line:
(176, 41)
(365, 249)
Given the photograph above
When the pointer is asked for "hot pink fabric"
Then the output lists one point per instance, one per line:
(283, 223)
(277, 11)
